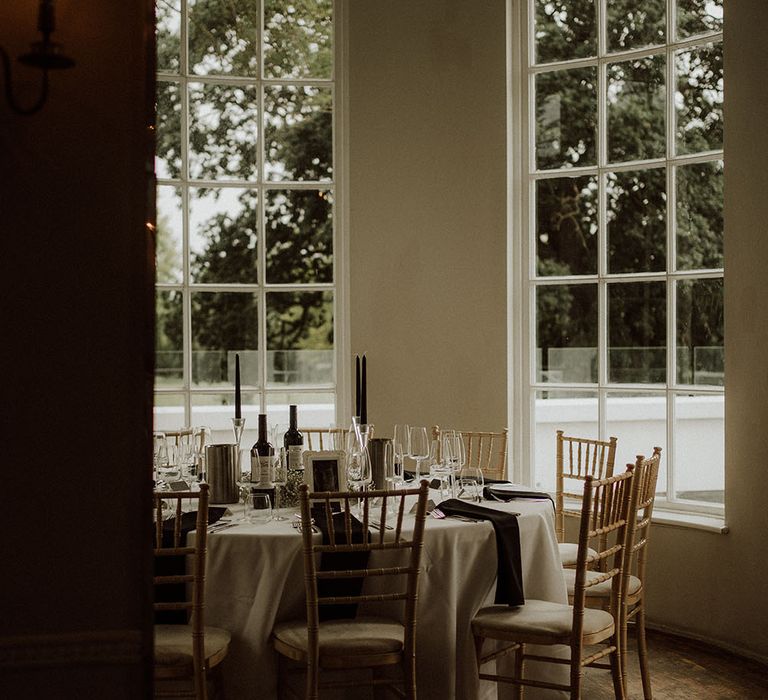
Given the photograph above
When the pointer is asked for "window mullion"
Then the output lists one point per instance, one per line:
(671, 286)
(184, 186)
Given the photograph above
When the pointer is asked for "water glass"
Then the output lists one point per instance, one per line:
(260, 508)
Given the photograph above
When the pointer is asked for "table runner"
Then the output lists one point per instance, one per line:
(509, 587)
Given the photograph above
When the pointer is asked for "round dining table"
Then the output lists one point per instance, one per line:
(255, 579)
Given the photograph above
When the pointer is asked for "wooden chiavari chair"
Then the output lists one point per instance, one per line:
(636, 544)
(323, 438)
(364, 641)
(185, 652)
(576, 459)
(485, 450)
(605, 510)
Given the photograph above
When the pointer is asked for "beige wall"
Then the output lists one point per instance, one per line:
(427, 210)
(76, 356)
(427, 244)
(716, 585)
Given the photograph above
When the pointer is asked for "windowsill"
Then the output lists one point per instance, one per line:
(697, 521)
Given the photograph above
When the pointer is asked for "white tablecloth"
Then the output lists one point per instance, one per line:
(255, 579)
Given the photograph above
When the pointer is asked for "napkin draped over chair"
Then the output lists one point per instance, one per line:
(509, 578)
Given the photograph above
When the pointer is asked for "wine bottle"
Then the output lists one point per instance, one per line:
(293, 441)
(261, 455)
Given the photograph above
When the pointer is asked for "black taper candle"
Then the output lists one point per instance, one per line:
(238, 405)
(357, 385)
(364, 394)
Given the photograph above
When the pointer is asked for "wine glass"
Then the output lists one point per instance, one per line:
(159, 455)
(458, 454)
(393, 472)
(401, 443)
(359, 473)
(200, 437)
(418, 449)
(279, 479)
(246, 498)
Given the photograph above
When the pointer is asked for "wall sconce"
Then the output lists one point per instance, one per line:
(44, 55)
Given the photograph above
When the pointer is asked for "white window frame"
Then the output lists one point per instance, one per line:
(339, 387)
(521, 271)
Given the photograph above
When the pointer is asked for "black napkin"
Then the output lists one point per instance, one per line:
(340, 561)
(512, 495)
(176, 566)
(509, 576)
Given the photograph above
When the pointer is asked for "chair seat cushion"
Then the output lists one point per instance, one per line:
(599, 590)
(569, 551)
(361, 636)
(539, 621)
(173, 646)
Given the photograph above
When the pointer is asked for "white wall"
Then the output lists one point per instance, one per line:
(428, 289)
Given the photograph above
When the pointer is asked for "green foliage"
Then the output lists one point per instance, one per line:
(224, 135)
(566, 208)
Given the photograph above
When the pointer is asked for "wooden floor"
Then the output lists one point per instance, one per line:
(685, 670)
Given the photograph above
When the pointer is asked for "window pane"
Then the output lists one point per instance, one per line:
(169, 411)
(168, 28)
(315, 410)
(168, 131)
(566, 118)
(566, 333)
(564, 30)
(224, 323)
(566, 226)
(637, 213)
(298, 39)
(169, 234)
(639, 420)
(298, 132)
(636, 109)
(700, 216)
(574, 412)
(223, 230)
(299, 230)
(637, 333)
(299, 338)
(216, 411)
(223, 132)
(699, 99)
(700, 358)
(169, 362)
(224, 37)
(698, 16)
(631, 24)
(700, 448)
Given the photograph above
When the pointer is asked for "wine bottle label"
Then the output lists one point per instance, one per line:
(265, 470)
(294, 457)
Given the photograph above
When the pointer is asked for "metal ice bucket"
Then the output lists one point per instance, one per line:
(376, 454)
(223, 473)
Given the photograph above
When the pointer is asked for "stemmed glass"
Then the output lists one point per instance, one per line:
(279, 479)
(457, 454)
(358, 467)
(401, 445)
(393, 472)
(159, 455)
(418, 447)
